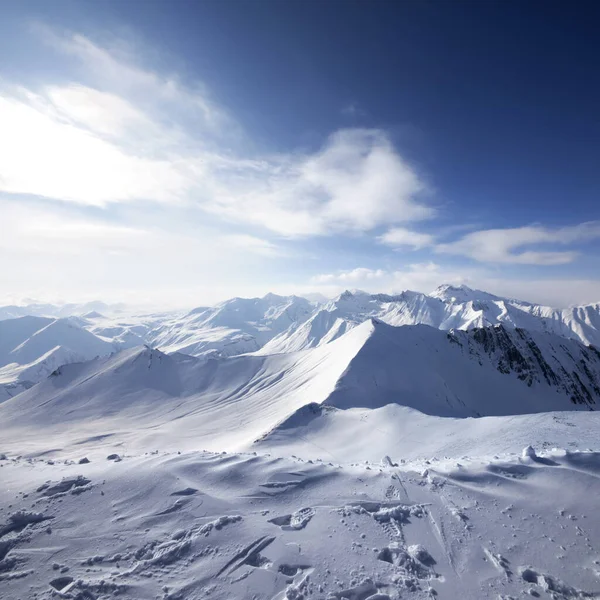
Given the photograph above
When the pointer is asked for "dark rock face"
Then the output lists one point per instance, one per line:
(567, 365)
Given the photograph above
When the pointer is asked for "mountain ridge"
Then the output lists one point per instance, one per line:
(273, 324)
(494, 371)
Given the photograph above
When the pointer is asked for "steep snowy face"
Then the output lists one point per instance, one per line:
(489, 371)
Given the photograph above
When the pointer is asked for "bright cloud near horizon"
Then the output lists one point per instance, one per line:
(123, 179)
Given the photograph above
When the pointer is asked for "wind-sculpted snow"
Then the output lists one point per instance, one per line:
(271, 528)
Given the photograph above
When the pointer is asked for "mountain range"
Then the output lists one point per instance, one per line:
(370, 447)
(252, 366)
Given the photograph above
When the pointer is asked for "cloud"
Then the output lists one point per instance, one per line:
(101, 112)
(134, 135)
(253, 244)
(399, 237)
(360, 275)
(117, 65)
(78, 141)
(355, 183)
(508, 245)
(422, 277)
(42, 155)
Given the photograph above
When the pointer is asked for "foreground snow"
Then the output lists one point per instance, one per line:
(203, 525)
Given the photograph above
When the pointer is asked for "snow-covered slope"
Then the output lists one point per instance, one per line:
(32, 347)
(227, 400)
(231, 402)
(236, 326)
(276, 324)
(197, 525)
(446, 308)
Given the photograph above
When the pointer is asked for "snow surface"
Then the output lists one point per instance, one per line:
(344, 457)
(206, 525)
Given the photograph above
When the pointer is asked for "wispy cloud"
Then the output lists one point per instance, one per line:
(360, 275)
(401, 238)
(356, 182)
(98, 147)
(422, 277)
(41, 154)
(256, 245)
(118, 65)
(510, 245)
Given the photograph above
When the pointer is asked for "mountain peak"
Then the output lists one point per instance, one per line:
(460, 294)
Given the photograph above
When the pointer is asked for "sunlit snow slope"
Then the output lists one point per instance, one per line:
(237, 400)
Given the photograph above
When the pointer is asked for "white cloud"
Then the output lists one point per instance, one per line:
(399, 237)
(78, 142)
(253, 244)
(43, 156)
(360, 275)
(136, 135)
(356, 182)
(102, 112)
(117, 66)
(507, 245)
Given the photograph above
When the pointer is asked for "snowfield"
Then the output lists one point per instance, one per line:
(199, 524)
(372, 447)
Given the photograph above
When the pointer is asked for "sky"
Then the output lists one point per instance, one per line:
(178, 153)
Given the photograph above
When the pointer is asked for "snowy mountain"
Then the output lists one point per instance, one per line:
(236, 326)
(490, 371)
(32, 347)
(276, 324)
(446, 308)
(58, 310)
(350, 469)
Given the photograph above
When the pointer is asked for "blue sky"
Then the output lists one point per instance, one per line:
(192, 151)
